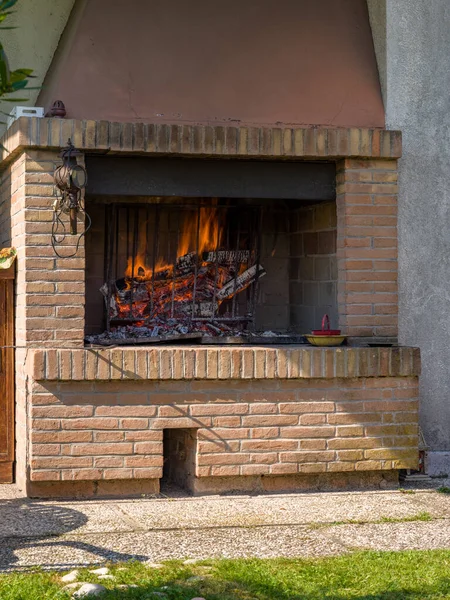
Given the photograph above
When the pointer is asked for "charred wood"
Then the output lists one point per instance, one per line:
(227, 257)
(240, 283)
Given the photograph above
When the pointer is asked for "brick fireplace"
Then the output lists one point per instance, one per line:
(96, 420)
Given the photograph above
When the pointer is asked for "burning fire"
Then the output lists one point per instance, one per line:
(208, 229)
(201, 278)
(208, 238)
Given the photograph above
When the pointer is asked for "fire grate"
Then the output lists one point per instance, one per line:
(181, 271)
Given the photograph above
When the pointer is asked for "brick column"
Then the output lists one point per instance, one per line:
(367, 247)
(50, 290)
(49, 304)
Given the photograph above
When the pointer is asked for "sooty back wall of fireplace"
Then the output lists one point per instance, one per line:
(226, 178)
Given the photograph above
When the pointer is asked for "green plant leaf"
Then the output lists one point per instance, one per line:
(7, 4)
(14, 77)
(4, 15)
(22, 72)
(19, 85)
(4, 67)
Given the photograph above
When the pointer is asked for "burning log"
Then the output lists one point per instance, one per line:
(186, 263)
(161, 275)
(240, 283)
(137, 292)
(193, 288)
(227, 257)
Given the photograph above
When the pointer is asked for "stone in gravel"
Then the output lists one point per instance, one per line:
(72, 576)
(101, 571)
(90, 589)
(190, 561)
(198, 598)
(106, 576)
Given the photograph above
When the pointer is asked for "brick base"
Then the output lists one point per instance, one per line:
(92, 489)
(321, 482)
(106, 431)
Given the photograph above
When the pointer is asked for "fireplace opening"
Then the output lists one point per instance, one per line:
(179, 451)
(209, 270)
(191, 269)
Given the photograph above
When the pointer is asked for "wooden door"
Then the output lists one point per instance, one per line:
(6, 375)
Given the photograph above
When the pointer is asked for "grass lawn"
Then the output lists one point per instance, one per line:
(423, 575)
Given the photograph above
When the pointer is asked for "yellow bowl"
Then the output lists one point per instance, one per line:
(325, 340)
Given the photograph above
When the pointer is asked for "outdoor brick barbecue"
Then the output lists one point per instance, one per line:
(215, 417)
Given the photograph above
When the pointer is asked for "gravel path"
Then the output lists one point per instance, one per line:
(67, 534)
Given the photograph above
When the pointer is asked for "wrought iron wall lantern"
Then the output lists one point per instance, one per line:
(70, 179)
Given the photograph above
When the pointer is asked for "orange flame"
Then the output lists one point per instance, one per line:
(207, 224)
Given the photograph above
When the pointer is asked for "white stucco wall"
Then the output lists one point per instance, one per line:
(40, 24)
(412, 41)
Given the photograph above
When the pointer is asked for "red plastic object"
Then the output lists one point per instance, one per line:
(326, 328)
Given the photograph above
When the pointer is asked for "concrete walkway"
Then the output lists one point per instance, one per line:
(66, 534)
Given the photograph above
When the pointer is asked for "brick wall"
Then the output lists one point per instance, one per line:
(103, 431)
(313, 272)
(201, 140)
(367, 247)
(49, 293)
(100, 415)
(49, 290)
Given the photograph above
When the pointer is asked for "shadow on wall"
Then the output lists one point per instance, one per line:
(30, 527)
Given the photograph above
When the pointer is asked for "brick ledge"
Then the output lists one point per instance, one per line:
(200, 140)
(175, 363)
